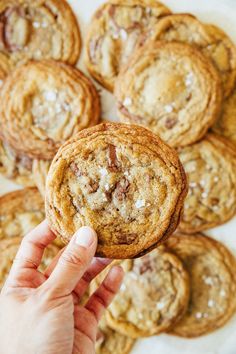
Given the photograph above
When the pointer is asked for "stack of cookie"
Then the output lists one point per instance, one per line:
(174, 81)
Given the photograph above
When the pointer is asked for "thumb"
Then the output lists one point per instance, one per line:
(73, 262)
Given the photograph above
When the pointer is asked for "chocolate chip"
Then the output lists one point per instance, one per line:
(112, 10)
(93, 186)
(74, 168)
(122, 188)
(145, 265)
(26, 162)
(126, 113)
(113, 163)
(171, 122)
(127, 239)
(214, 201)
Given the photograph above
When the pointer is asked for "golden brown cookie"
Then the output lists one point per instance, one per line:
(154, 295)
(212, 272)
(40, 170)
(172, 89)
(123, 181)
(16, 168)
(211, 169)
(45, 103)
(213, 42)
(20, 212)
(5, 67)
(40, 29)
(110, 341)
(8, 250)
(226, 124)
(114, 33)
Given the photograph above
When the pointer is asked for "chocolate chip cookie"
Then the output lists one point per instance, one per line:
(8, 250)
(110, 341)
(211, 169)
(38, 30)
(43, 104)
(154, 295)
(212, 272)
(114, 33)
(211, 40)
(20, 212)
(40, 170)
(15, 167)
(123, 181)
(226, 124)
(172, 89)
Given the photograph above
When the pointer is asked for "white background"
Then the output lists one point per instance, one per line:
(223, 341)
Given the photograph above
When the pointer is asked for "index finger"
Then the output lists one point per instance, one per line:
(30, 253)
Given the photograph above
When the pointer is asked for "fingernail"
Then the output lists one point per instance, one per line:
(85, 236)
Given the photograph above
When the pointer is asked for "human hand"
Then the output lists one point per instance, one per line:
(41, 312)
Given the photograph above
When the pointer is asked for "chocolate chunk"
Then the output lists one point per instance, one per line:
(26, 162)
(215, 201)
(112, 10)
(122, 188)
(74, 168)
(171, 122)
(126, 113)
(127, 239)
(113, 163)
(93, 186)
(145, 266)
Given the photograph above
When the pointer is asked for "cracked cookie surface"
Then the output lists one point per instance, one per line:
(20, 212)
(153, 297)
(114, 33)
(44, 104)
(212, 283)
(226, 124)
(211, 40)
(39, 29)
(123, 181)
(172, 89)
(211, 169)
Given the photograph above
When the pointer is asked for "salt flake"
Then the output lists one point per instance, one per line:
(103, 172)
(169, 108)
(123, 34)
(160, 305)
(211, 303)
(36, 24)
(198, 315)
(140, 203)
(50, 96)
(127, 101)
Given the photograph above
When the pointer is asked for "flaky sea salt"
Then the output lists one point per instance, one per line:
(204, 195)
(222, 293)
(36, 24)
(160, 305)
(192, 184)
(123, 34)
(208, 280)
(189, 79)
(216, 179)
(103, 172)
(107, 187)
(50, 96)
(127, 101)
(211, 303)
(140, 204)
(198, 315)
(169, 108)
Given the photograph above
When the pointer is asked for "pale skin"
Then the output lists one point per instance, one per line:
(40, 313)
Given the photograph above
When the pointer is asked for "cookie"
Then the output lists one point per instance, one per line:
(212, 272)
(20, 212)
(5, 67)
(226, 124)
(211, 169)
(110, 341)
(8, 250)
(114, 33)
(154, 295)
(16, 168)
(43, 104)
(40, 170)
(172, 89)
(213, 42)
(39, 30)
(123, 181)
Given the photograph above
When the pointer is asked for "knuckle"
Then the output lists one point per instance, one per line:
(73, 259)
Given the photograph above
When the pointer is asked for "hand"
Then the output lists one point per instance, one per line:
(41, 313)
